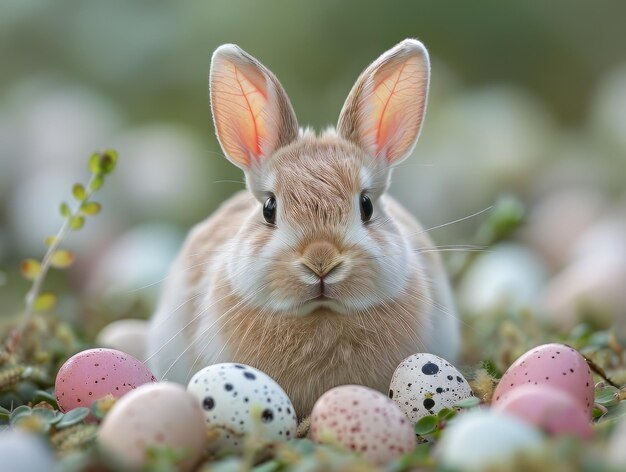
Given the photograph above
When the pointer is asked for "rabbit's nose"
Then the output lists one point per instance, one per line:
(321, 258)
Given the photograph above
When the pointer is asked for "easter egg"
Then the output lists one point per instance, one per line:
(616, 452)
(128, 336)
(554, 411)
(24, 452)
(96, 373)
(424, 384)
(480, 439)
(556, 365)
(158, 415)
(362, 420)
(238, 399)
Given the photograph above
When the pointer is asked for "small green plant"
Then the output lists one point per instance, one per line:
(100, 165)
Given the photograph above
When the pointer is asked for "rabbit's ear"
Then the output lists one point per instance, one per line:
(384, 111)
(252, 114)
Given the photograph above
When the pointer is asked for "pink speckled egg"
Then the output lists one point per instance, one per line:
(554, 411)
(92, 374)
(363, 420)
(556, 365)
(158, 415)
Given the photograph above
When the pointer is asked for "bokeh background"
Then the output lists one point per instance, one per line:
(528, 103)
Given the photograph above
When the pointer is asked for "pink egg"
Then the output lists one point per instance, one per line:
(555, 365)
(95, 373)
(363, 420)
(552, 410)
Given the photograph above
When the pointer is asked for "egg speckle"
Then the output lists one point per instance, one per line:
(362, 420)
(157, 415)
(96, 373)
(237, 399)
(556, 365)
(424, 384)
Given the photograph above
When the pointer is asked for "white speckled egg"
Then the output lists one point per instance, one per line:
(424, 383)
(480, 439)
(155, 415)
(362, 420)
(237, 399)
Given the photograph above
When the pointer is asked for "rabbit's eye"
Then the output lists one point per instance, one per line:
(269, 210)
(366, 208)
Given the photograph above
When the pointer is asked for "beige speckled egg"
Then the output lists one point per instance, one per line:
(158, 415)
(363, 420)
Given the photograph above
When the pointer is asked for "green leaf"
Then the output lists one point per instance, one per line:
(79, 192)
(65, 210)
(20, 412)
(469, 402)
(607, 396)
(73, 417)
(30, 268)
(103, 163)
(269, 466)
(94, 163)
(50, 240)
(77, 222)
(426, 425)
(446, 414)
(62, 259)
(96, 183)
(46, 415)
(45, 302)
(43, 396)
(90, 208)
(108, 161)
(491, 368)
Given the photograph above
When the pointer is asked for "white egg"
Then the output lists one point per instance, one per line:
(480, 439)
(24, 452)
(424, 384)
(237, 400)
(616, 450)
(509, 275)
(161, 416)
(128, 336)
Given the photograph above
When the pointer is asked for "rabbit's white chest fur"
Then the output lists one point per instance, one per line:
(201, 321)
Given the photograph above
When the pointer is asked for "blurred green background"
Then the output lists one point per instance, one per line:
(527, 99)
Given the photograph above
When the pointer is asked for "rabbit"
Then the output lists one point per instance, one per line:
(313, 274)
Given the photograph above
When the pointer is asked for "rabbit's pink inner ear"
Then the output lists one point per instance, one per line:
(385, 109)
(397, 108)
(238, 102)
(252, 114)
